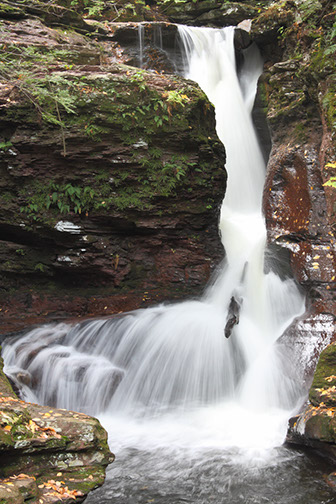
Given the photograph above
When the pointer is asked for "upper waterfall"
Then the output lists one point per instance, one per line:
(210, 61)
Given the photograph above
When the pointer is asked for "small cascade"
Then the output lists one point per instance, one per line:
(141, 38)
(157, 37)
(196, 361)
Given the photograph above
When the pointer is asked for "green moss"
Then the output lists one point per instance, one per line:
(5, 387)
(324, 378)
(321, 427)
(326, 367)
(10, 11)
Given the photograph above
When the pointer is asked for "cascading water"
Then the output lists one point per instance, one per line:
(167, 378)
(141, 36)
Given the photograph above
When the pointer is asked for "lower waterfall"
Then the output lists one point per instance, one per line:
(195, 392)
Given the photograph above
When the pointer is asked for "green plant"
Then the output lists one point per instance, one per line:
(138, 78)
(5, 146)
(176, 97)
(330, 41)
(40, 267)
(64, 198)
(94, 132)
(51, 95)
(332, 180)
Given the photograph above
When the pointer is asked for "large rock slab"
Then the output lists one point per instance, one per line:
(111, 178)
(211, 13)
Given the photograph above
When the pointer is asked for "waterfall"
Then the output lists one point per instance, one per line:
(141, 40)
(172, 365)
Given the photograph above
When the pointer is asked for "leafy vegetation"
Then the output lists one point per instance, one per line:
(332, 180)
(51, 94)
(159, 179)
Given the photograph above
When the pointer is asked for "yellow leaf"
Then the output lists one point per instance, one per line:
(8, 428)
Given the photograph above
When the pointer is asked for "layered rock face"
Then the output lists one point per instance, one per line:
(111, 177)
(299, 209)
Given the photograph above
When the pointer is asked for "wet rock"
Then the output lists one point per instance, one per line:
(53, 14)
(210, 13)
(323, 389)
(304, 340)
(23, 377)
(232, 316)
(228, 15)
(47, 453)
(316, 425)
(159, 49)
(267, 27)
(299, 208)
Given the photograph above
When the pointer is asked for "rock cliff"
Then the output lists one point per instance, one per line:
(299, 89)
(111, 176)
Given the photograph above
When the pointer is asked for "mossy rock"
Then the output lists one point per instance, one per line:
(8, 11)
(321, 427)
(323, 388)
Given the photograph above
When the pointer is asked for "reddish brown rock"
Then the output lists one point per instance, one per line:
(120, 200)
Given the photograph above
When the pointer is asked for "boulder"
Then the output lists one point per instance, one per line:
(316, 425)
(48, 454)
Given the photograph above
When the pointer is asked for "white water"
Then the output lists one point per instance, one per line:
(167, 377)
(141, 36)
